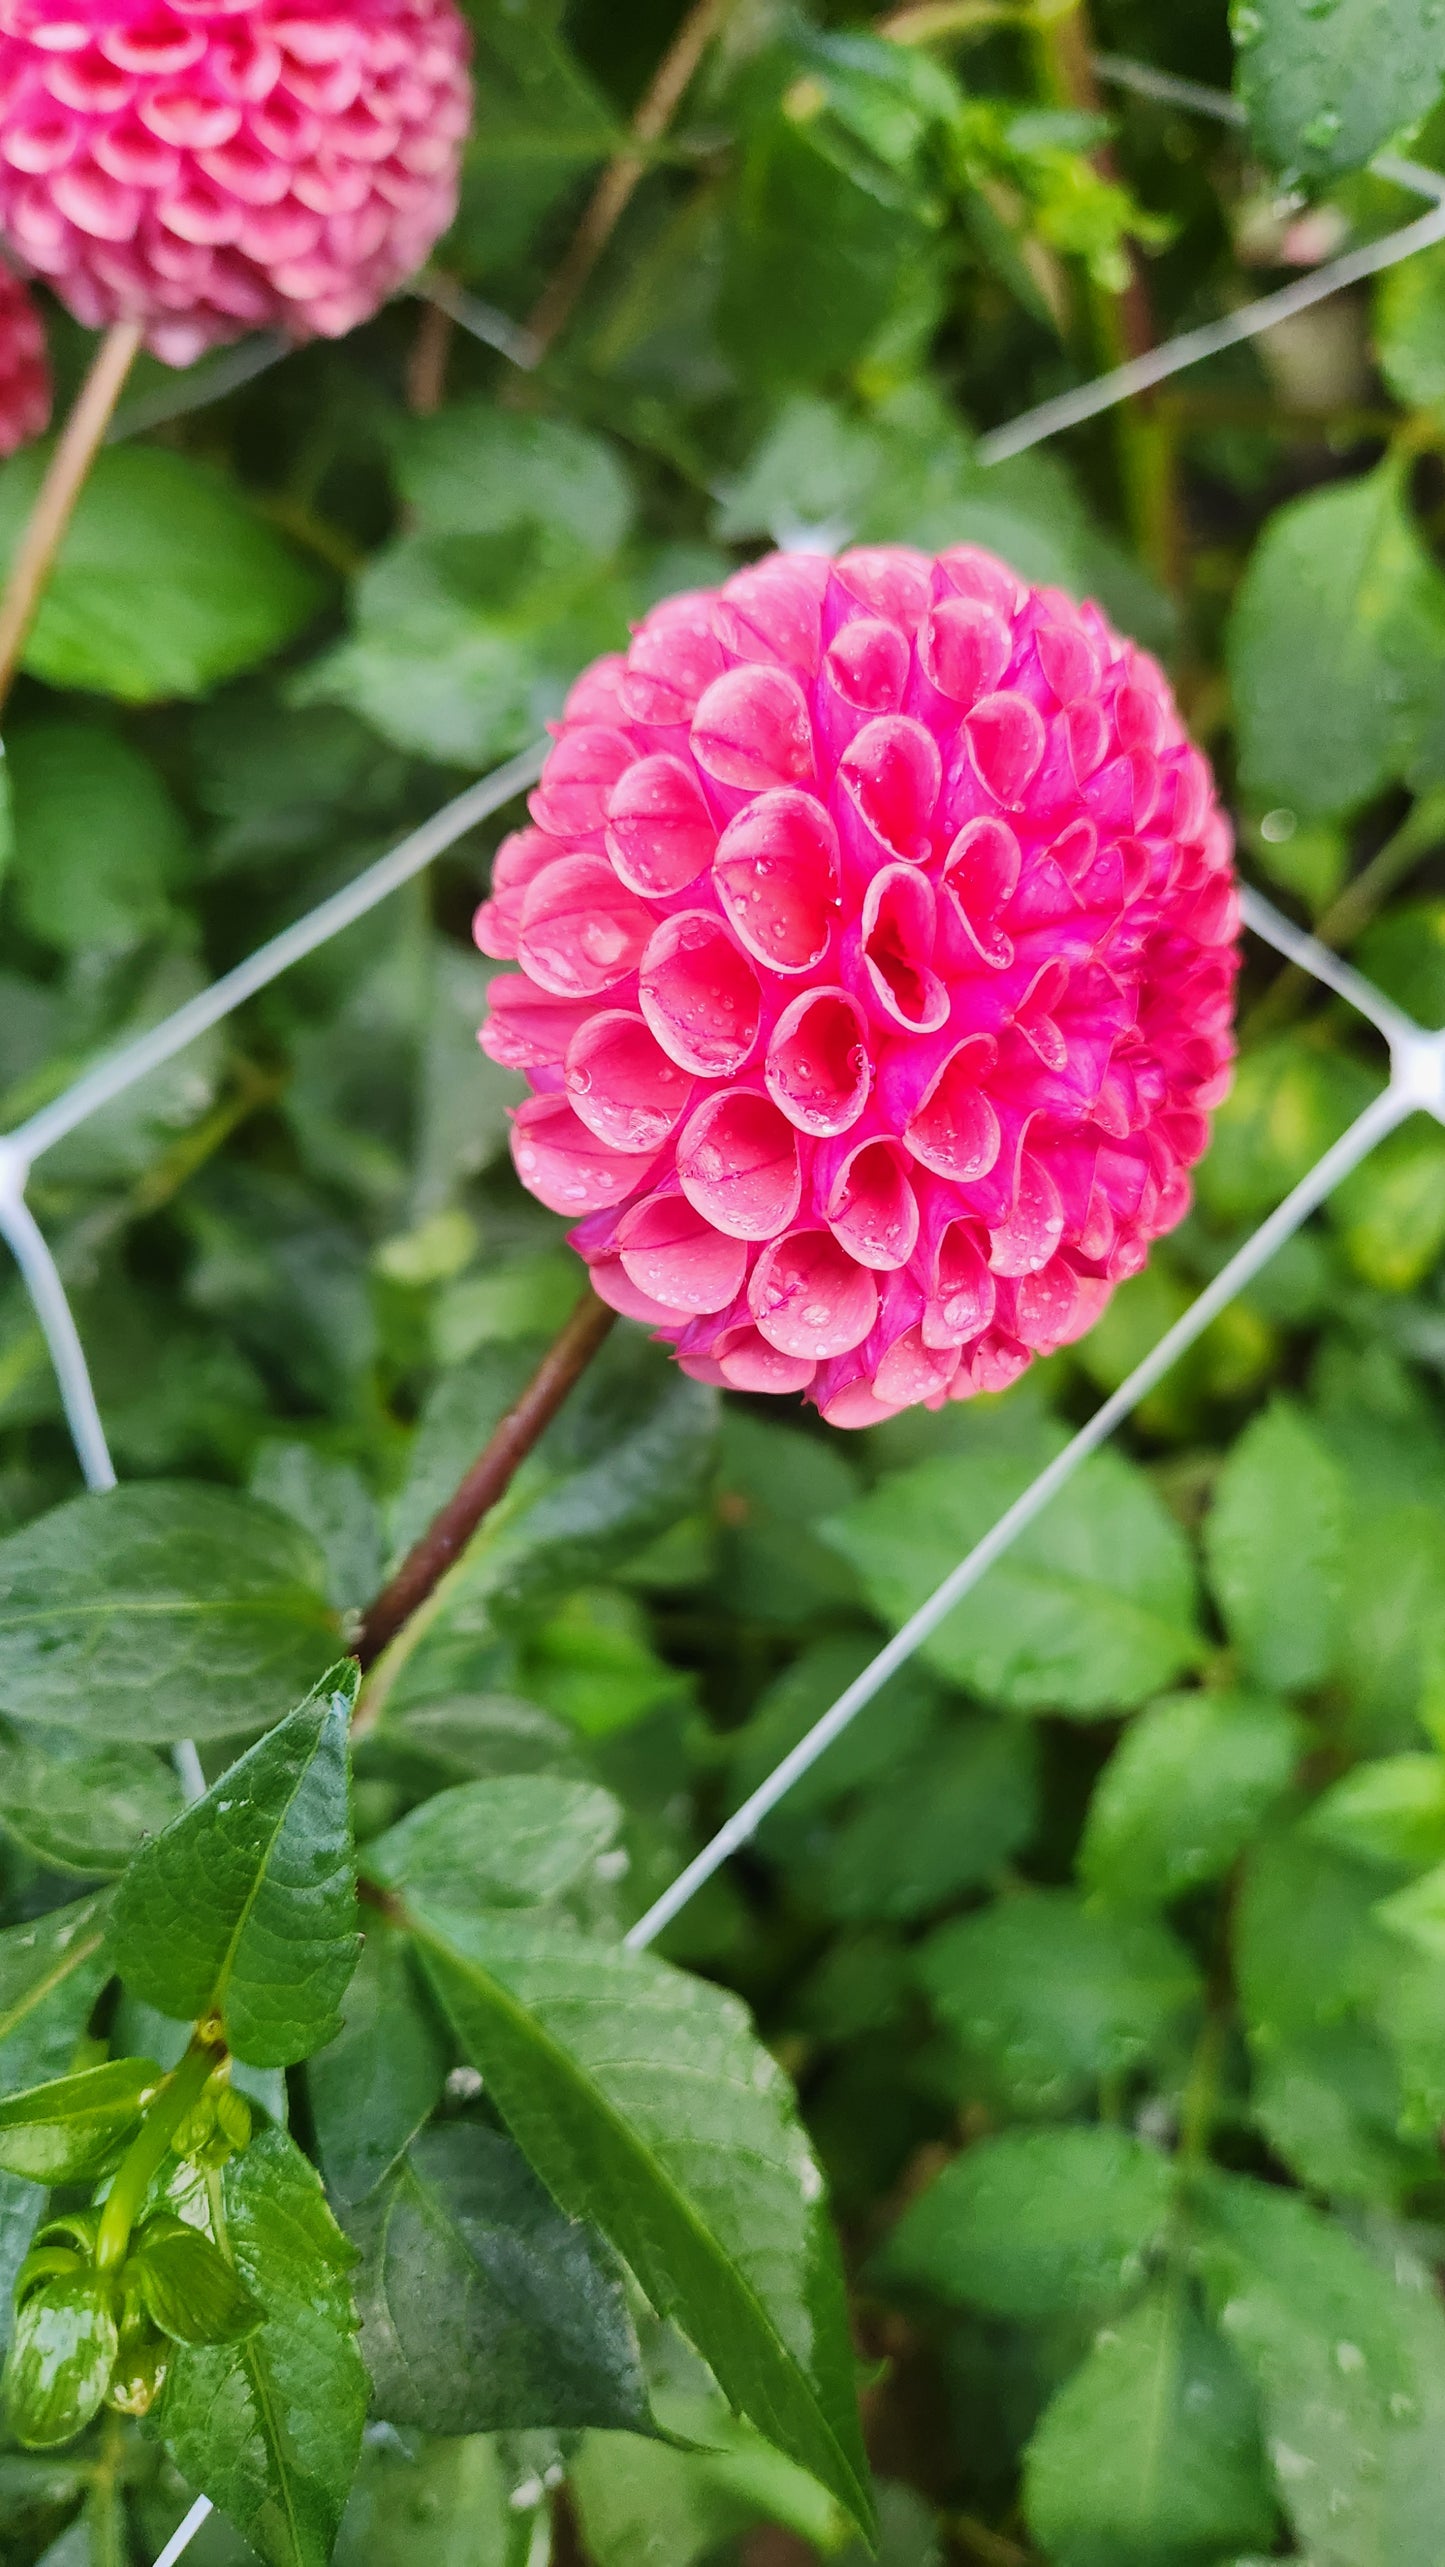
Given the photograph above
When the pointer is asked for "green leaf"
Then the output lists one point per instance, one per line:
(1390, 1212)
(65, 2130)
(160, 1612)
(484, 2308)
(1037, 2224)
(1275, 1543)
(443, 2503)
(1288, 1105)
(774, 1487)
(79, 1808)
(1185, 1789)
(1150, 2455)
(1410, 328)
(1392, 1629)
(375, 2084)
(221, 590)
(1092, 1608)
(190, 2291)
(645, 2504)
(593, 1663)
(1419, 1913)
(99, 844)
(52, 1969)
(1326, 87)
(1391, 1812)
(646, 2104)
(1404, 952)
(476, 470)
(1348, 2359)
(1047, 1998)
(270, 2429)
(59, 2364)
(941, 1821)
(1321, 636)
(518, 1841)
(247, 1904)
(333, 1502)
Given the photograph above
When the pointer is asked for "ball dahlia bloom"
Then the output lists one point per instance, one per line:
(208, 167)
(25, 390)
(877, 935)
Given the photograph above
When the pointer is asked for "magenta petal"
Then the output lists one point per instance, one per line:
(1068, 660)
(770, 612)
(752, 729)
(621, 1083)
(1028, 1237)
(671, 1252)
(912, 1371)
(867, 665)
(892, 773)
(964, 647)
(964, 1292)
(578, 776)
(582, 930)
(699, 994)
(898, 925)
(810, 1298)
(980, 872)
(660, 832)
(737, 1162)
(527, 1027)
(954, 1130)
(872, 1209)
(818, 1068)
(776, 872)
(565, 1165)
(1006, 742)
(748, 1362)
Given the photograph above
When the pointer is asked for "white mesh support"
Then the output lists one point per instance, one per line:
(1416, 1081)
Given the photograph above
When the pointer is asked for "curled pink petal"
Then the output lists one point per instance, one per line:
(954, 1128)
(819, 1068)
(621, 1083)
(737, 1162)
(671, 1251)
(700, 995)
(809, 1297)
(752, 729)
(660, 833)
(897, 930)
(877, 935)
(776, 872)
(582, 930)
(567, 1167)
(871, 1208)
(891, 773)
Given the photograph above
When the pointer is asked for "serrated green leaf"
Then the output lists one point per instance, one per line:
(1090, 1610)
(1150, 2454)
(1348, 2360)
(81, 1808)
(190, 2291)
(373, 2086)
(270, 2429)
(1185, 1789)
(149, 520)
(446, 2502)
(1047, 1998)
(99, 844)
(646, 2104)
(940, 1822)
(1320, 643)
(246, 1903)
(64, 2130)
(1326, 86)
(1275, 1543)
(160, 1612)
(483, 2307)
(1391, 1811)
(520, 1840)
(1036, 2224)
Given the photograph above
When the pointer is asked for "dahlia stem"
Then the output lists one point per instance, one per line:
(55, 500)
(491, 1474)
(618, 184)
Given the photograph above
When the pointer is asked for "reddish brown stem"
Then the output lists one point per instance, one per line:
(448, 1534)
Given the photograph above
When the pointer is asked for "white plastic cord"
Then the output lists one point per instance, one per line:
(1417, 1076)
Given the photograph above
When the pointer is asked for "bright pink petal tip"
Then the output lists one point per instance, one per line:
(877, 941)
(209, 167)
(25, 388)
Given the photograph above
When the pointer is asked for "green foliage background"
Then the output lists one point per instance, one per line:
(1107, 1952)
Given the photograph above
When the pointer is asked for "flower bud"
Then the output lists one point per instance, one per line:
(61, 2357)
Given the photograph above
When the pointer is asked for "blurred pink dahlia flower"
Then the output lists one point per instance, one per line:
(878, 945)
(208, 167)
(25, 390)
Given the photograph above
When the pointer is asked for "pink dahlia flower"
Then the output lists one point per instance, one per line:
(214, 166)
(877, 935)
(25, 390)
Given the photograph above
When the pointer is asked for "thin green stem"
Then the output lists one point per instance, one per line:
(147, 2152)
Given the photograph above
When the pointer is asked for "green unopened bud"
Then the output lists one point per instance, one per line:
(60, 2360)
(192, 2136)
(139, 2376)
(233, 2117)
